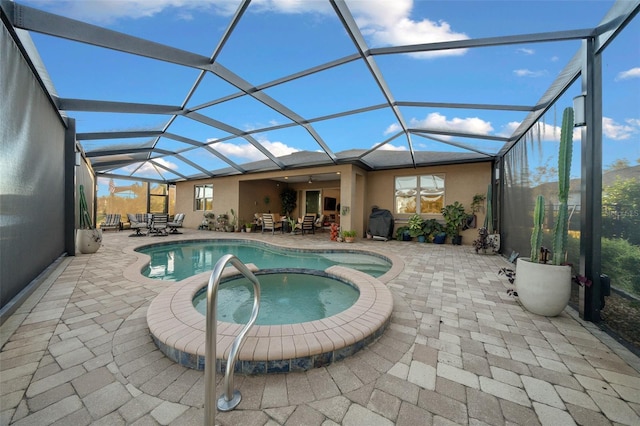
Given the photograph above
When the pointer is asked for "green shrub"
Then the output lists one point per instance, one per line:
(620, 261)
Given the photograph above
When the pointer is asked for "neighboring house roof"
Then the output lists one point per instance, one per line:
(550, 189)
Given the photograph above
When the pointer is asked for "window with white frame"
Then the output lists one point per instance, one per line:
(419, 194)
(203, 197)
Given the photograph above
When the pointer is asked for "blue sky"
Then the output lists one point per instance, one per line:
(276, 38)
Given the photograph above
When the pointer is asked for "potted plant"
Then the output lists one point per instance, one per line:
(431, 228)
(484, 243)
(234, 221)
(222, 221)
(415, 227)
(493, 235)
(543, 282)
(402, 233)
(88, 238)
(248, 226)
(288, 198)
(292, 225)
(477, 204)
(348, 236)
(209, 221)
(454, 217)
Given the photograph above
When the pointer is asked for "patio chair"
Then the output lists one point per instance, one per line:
(319, 223)
(307, 224)
(138, 222)
(269, 223)
(159, 224)
(112, 221)
(176, 223)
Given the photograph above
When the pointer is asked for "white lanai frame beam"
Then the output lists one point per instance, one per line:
(353, 30)
(252, 91)
(34, 20)
(618, 16)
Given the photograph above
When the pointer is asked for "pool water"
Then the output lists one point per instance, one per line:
(285, 298)
(177, 261)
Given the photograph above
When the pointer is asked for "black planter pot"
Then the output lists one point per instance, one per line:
(457, 240)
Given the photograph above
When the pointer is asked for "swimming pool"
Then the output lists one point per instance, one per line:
(180, 260)
(285, 298)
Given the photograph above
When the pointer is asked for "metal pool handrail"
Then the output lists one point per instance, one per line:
(231, 398)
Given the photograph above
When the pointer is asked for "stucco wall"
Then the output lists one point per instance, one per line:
(357, 189)
(462, 182)
(246, 194)
(225, 196)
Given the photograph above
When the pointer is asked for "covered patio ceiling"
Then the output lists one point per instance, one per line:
(240, 87)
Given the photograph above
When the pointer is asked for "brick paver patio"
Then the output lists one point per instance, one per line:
(459, 350)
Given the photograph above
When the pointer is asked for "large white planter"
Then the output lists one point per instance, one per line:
(543, 289)
(88, 240)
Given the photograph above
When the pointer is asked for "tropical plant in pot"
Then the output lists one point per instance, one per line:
(88, 238)
(477, 205)
(415, 227)
(288, 198)
(402, 233)
(543, 281)
(455, 217)
(431, 228)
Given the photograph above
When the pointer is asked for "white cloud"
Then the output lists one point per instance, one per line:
(107, 11)
(438, 121)
(625, 75)
(248, 152)
(529, 73)
(525, 51)
(544, 131)
(619, 132)
(148, 169)
(610, 129)
(383, 22)
(393, 128)
(292, 6)
(391, 147)
(509, 128)
(387, 23)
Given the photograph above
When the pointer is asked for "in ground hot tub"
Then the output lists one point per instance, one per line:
(179, 329)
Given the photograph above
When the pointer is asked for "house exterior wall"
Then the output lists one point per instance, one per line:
(246, 193)
(355, 189)
(462, 182)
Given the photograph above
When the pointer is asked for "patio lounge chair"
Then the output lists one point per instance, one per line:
(269, 223)
(158, 224)
(112, 221)
(176, 223)
(138, 222)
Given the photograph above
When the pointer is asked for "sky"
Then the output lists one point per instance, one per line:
(276, 38)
